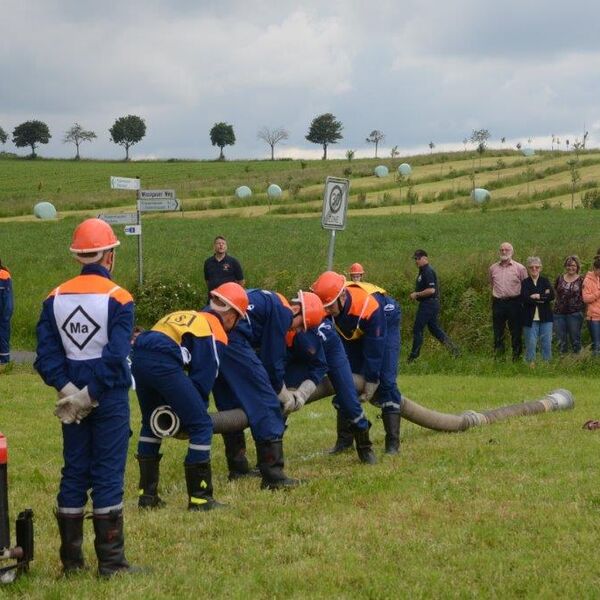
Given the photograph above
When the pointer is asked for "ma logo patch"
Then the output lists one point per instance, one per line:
(80, 328)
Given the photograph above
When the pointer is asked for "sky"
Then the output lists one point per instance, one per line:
(418, 70)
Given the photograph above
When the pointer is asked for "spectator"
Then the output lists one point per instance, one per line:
(427, 295)
(6, 311)
(568, 308)
(506, 276)
(537, 294)
(222, 268)
(591, 297)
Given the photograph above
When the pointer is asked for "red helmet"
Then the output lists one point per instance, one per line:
(328, 286)
(233, 295)
(93, 235)
(356, 269)
(313, 312)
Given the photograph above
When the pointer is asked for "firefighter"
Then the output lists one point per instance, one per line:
(252, 378)
(6, 311)
(83, 343)
(368, 321)
(183, 341)
(317, 352)
(356, 272)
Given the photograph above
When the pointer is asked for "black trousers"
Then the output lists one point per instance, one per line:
(507, 312)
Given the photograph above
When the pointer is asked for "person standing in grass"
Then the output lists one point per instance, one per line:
(569, 305)
(427, 294)
(505, 278)
(591, 297)
(221, 267)
(537, 295)
(356, 272)
(83, 342)
(6, 311)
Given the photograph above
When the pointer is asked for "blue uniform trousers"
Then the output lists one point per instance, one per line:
(160, 379)
(4, 339)
(388, 396)
(427, 316)
(243, 383)
(95, 452)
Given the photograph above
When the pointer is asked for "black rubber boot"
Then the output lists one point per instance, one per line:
(345, 438)
(148, 486)
(110, 544)
(391, 424)
(364, 446)
(198, 478)
(71, 541)
(235, 452)
(270, 463)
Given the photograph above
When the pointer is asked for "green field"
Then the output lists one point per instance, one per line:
(509, 510)
(439, 182)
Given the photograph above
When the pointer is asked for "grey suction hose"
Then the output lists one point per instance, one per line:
(229, 421)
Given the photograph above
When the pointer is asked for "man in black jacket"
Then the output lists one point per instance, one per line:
(428, 296)
(221, 268)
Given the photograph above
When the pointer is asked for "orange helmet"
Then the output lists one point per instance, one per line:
(233, 295)
(92, 236)
(328, 286)
(312, 309)
(356, 269)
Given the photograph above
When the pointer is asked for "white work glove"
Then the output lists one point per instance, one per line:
(369, 391)
(285, 396)
(75, 407)
(69, 389)
(299, 397)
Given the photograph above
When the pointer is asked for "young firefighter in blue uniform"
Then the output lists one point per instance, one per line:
(368, 320)
(83, 343)
(318, 352)
(6, 311)
(251, 378)
(183, 341)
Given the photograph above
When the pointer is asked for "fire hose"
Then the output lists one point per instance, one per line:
(165, 422)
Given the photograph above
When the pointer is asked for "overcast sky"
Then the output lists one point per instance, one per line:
(418, 70)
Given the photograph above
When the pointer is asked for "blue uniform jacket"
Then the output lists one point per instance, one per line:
(6, 295)
(365, 327)
(269, 319)
(305, 358)
(96, 334)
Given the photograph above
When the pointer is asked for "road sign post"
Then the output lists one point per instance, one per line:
(335, 207)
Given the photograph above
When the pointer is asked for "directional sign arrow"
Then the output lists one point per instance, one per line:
(159, 205)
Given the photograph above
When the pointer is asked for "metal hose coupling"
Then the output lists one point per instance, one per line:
(164, 422)
(558, 400)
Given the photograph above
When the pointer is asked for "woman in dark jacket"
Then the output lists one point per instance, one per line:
(6, 311)
(569, 305)
(537, 295)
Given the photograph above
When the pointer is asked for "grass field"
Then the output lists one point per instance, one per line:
(509, 510)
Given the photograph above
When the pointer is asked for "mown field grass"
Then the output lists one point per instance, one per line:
(509, 510)
(437, 179)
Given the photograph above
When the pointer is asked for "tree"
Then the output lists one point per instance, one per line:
(480, 137)
(375, 137)
(575, 177)
(394, 152)
(128, 131)
(222, 135)
(31, 133)
(272, 137)
(349, 155)
(3, 136)
(77, 134)
(431, 147)
(325, 130)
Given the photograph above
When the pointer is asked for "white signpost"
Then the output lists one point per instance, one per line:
(147, 201)
(120, 218)
(335, 207)
(124, 183)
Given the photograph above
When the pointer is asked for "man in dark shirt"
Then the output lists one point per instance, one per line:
(222, 268)
(427, 295)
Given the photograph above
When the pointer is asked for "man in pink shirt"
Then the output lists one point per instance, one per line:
(506, 276)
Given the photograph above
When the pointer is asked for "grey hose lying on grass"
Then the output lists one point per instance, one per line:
(236, 420)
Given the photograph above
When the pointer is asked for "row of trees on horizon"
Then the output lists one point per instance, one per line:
(324, 130)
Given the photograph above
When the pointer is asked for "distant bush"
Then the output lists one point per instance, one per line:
(591, 199)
